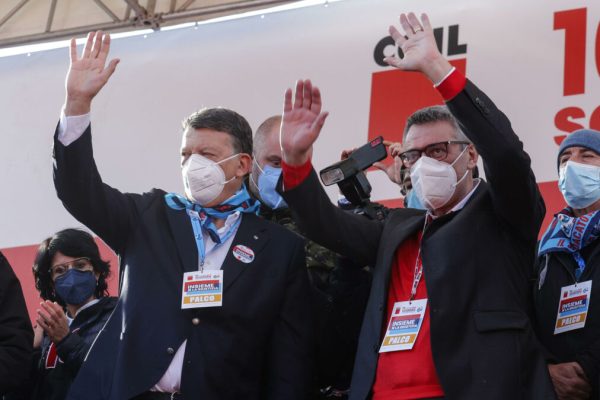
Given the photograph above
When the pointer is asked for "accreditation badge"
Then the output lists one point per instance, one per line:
(202, 289)
(405, 323)
(573, 307)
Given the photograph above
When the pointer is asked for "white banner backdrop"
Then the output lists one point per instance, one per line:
(514, 50)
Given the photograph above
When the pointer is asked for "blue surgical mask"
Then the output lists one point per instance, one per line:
(412, 201)
(579, 184)
(267, 182)
(74, 286)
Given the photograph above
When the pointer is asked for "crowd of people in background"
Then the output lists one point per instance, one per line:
(251, 284)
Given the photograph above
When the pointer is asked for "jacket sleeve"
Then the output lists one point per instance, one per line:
(348, 234)
(16, 334)
(291, 358)
(507, 166)
(108, 212)
(589, 359)
(72, 350)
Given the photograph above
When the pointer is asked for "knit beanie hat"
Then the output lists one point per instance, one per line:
(588, 138)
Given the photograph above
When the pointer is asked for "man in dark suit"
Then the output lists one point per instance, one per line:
(213, 298)
(16, 335)
(448, 311)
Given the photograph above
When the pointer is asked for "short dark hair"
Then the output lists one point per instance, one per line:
(431, 114)
(223, 120)
(71, 243)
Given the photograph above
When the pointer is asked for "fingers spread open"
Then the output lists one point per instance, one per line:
(414, 22)
(87, 50)
(316, 100)
(406, 25)
(97, 44)
(299, 90)
(112, 66)
(287, 101)
(425, 22)
(319, 121)
(397, 36)
(307, 94)
(104, 48)
(73, 52)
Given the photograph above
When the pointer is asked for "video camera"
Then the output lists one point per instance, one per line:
(349, 173)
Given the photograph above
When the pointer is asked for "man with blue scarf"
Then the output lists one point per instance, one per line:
(213, 298)
(567, 292)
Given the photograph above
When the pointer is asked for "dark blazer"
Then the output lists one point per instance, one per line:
(477, 267)
(256, 346)
(580, 345)
(16, 335)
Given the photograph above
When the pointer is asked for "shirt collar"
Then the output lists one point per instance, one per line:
(461, 204)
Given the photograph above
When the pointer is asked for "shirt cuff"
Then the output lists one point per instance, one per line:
(71, 128)
(294, 175)
(452, 84)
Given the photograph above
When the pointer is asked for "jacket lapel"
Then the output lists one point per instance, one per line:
(252, 235)
(183, 236)
(399, 234)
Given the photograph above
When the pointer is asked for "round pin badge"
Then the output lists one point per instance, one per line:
(243, 253)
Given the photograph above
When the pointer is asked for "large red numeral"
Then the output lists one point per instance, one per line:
(574, 24)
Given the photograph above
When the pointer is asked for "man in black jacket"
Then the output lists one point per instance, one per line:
(567, 294)
(16, 335)
(448, 310)
(213, 298)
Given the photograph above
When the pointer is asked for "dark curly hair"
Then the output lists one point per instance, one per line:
(71, 243)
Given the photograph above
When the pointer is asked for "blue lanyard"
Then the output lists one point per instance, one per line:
(580, 267)
(197, 223)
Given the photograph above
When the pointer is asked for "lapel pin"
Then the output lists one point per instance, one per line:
(243, 253)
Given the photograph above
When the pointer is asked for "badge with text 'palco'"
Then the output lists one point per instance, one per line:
(202, 289)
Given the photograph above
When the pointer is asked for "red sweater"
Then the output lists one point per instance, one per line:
(408, 374)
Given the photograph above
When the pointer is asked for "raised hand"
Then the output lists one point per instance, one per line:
(419, 48)
(88, 73)
(301, 124)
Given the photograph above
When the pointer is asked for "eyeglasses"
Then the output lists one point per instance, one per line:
(80, 264)
(437, 151)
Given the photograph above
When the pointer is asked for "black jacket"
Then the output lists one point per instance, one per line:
(51, 380)
(477, 267)
(16, 334)
(256, 346)
(581, 345)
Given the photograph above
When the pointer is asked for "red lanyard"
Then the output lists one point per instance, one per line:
(418, 266)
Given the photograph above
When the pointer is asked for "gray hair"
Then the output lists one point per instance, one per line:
(432, 114)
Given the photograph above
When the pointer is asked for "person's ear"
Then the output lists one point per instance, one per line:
(244, 165)
(473, 157)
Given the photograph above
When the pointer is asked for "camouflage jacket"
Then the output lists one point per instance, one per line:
(317, 256)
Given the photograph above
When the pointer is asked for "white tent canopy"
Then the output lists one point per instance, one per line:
(32, 21)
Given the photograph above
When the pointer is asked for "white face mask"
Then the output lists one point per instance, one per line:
(203, 178)
(434, 182)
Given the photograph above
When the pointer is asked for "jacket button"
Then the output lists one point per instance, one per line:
(195, 321)
(170, 350)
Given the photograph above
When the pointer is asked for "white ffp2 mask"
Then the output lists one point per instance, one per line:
(434, 182)
(204, 179)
